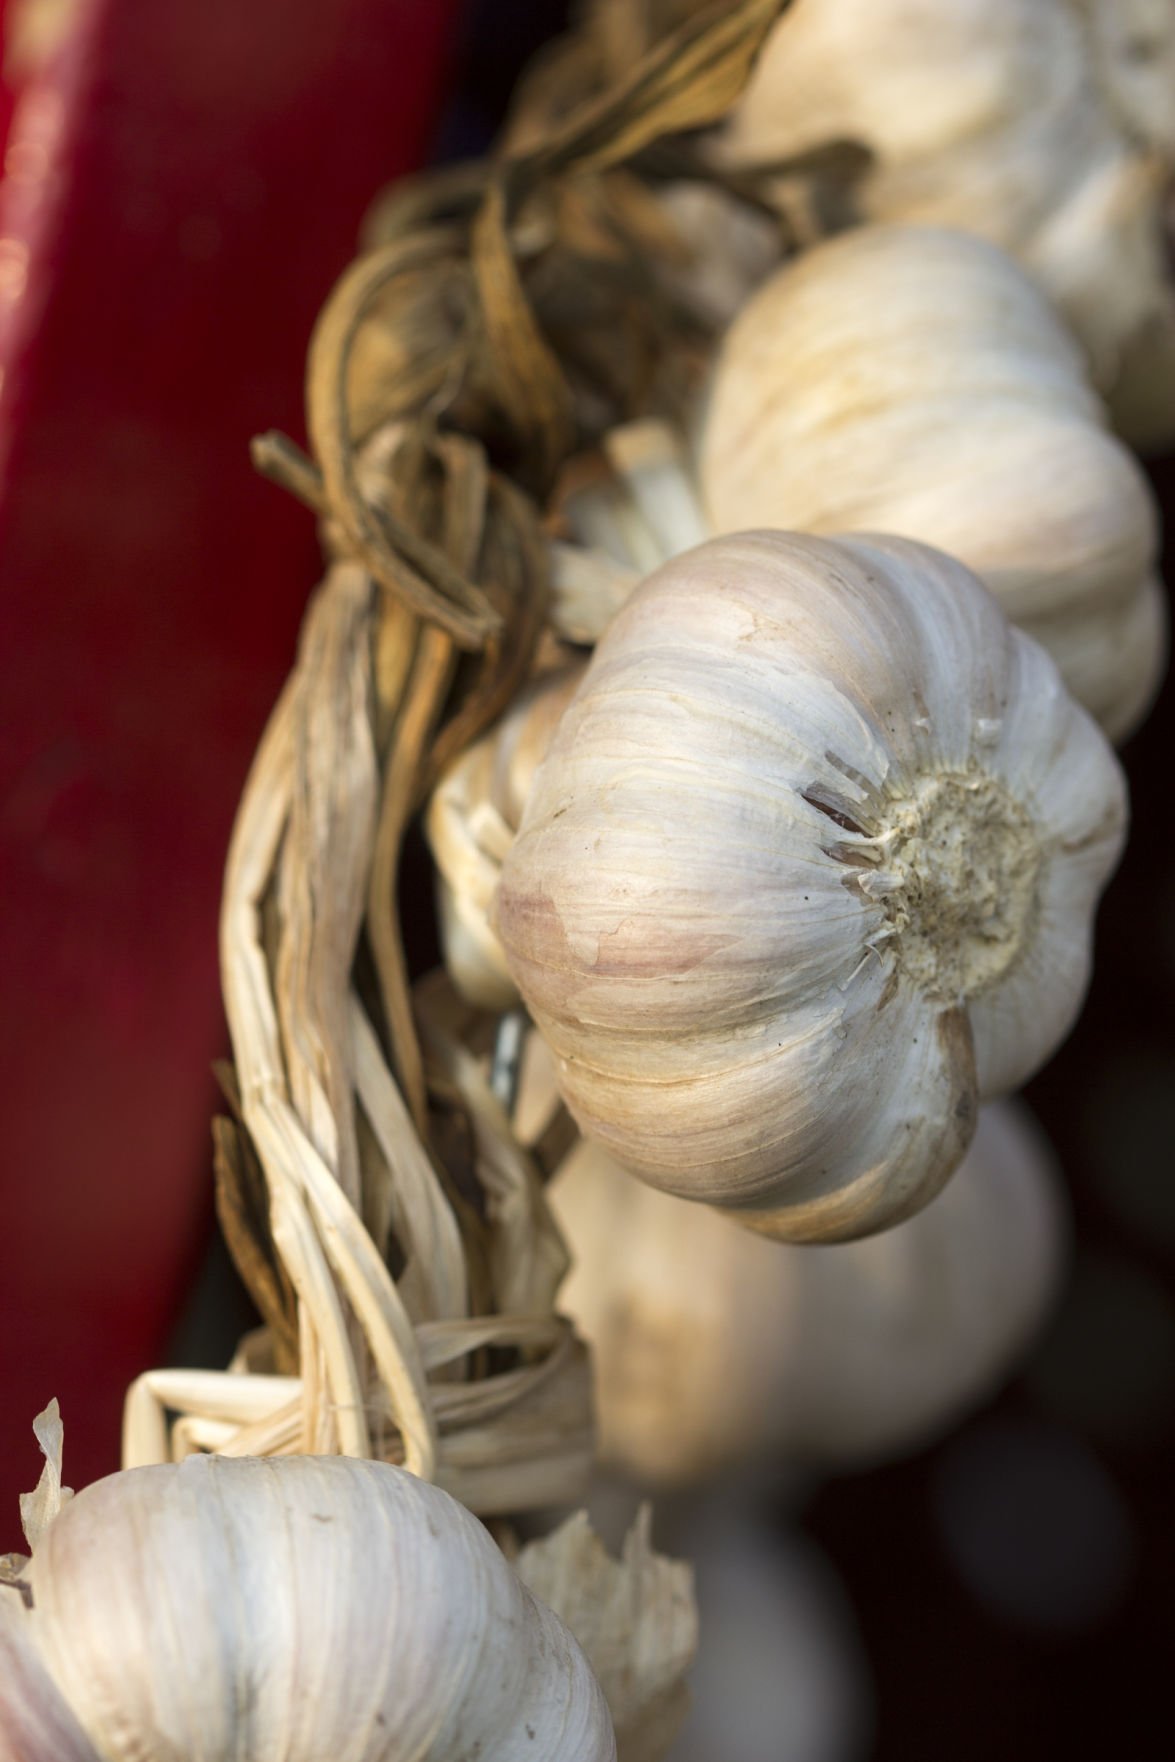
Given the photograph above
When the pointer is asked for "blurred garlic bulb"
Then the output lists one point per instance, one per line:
(996, 116)
(784, 1673)
(693, 1323)
(1133, 46)
(913, 380)
(295, 1607)
(470, 824)
(713, 1346)
(809, 867)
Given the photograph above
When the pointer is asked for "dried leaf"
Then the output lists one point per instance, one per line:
(324, 876)
(421, 1216)
(41, 1506)
(242, 1212)
(527, 1256)
(528, 379)
(687, 80)
(635, 1618)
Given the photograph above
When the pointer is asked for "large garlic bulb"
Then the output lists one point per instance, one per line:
(809, 867)
(1003, 117)
(912, 380)
(312, 1609)
(713, 1346)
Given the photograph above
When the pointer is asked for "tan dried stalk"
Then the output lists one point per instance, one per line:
(390, 1225)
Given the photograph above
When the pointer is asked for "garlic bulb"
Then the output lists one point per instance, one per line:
(293, 1607)
(693, 1323)
(713, 1346)
(912, 380)
(809, 867)
(990, 115)
(1133, 48)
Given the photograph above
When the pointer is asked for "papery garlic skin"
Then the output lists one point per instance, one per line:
(810, 867)
(302, 1608)
(913, 380)
(995, 116)
(36, 1725)
(470, 824)
(714, 1347)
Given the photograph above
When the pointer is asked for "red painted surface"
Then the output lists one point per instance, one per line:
(192, 177)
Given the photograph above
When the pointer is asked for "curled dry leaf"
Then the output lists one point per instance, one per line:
(39, 1508)
(635, 1618)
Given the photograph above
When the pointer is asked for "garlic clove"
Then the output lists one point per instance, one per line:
(1051, 754)
(36, 1724)
(921, 1092)
(470, 823)
(785, 854)
(1135, 630)
(302, 1607)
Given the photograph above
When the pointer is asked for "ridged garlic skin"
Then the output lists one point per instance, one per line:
(35, 1723)
(914, 380)
(1001, 117)
(312, 1609)
(810, 866)
(470, 822)
(713, 1346)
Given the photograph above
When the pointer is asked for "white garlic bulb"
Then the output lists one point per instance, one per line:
(713, 1346)
(995, 116)
(293, 1607)
(913, 380)
(809, 867)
